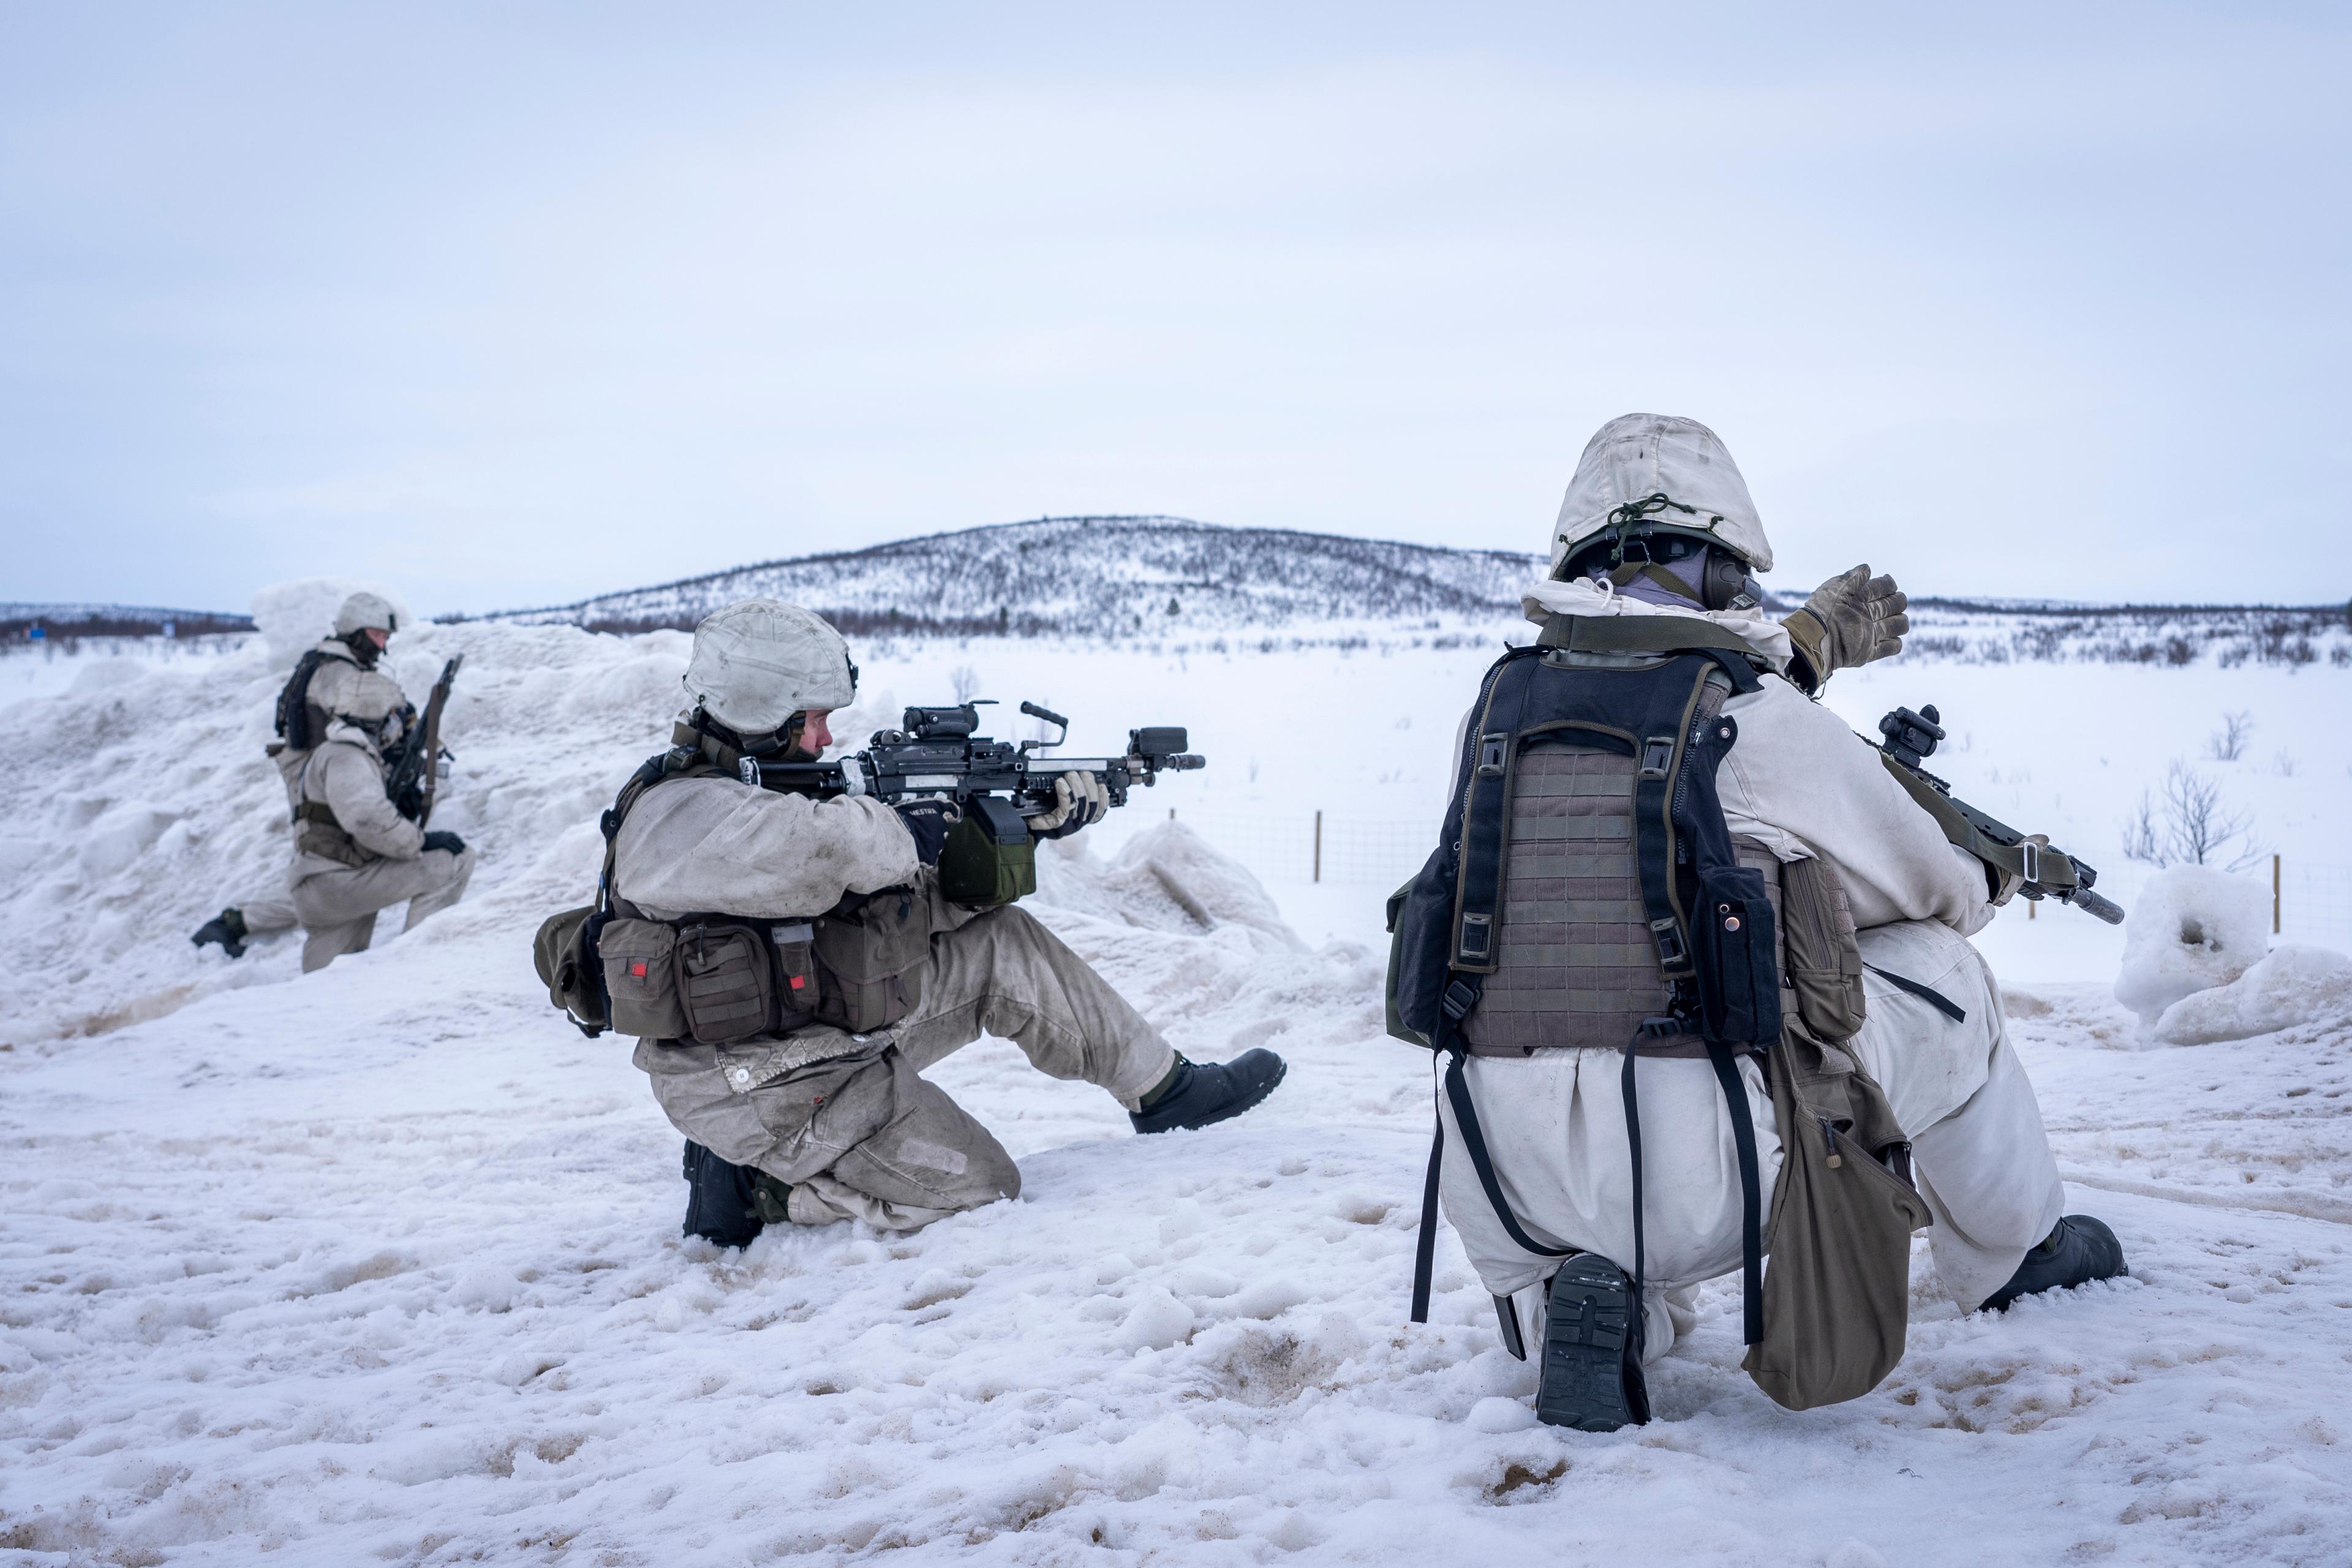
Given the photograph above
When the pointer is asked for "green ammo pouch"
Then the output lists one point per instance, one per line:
(989, 858)
(566, 954)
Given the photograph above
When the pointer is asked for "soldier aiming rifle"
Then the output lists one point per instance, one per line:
(793, 941)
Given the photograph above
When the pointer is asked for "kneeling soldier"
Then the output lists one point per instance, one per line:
(1630, 1096)
(336, 680)
(792, 966)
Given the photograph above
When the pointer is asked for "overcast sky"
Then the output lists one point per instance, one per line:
(505, 305)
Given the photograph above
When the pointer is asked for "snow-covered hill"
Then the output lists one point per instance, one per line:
(1117, 577)
(1176, 583)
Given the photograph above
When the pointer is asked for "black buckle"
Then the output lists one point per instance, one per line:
(1459, 998)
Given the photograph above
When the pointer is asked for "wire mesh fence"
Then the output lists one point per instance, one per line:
(1317, 846)
(2314, 898)
(2313, 902)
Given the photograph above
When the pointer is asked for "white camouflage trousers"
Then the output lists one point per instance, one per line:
(337, 908)
(1555, 1125)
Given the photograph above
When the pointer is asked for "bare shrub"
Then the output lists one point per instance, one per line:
(2190, 824)
(2227, 743)
(964, 682)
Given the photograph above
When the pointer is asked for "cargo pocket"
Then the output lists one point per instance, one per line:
(639, 977)
(1824, 961)
(871, 961)
(726, 982)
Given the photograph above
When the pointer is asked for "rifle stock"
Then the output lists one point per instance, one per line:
(416, 777)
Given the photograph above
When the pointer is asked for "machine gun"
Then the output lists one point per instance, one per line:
(939, 754)
(2045, 873)
(420, 763)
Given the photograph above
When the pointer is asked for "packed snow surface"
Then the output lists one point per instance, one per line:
(383, 1264)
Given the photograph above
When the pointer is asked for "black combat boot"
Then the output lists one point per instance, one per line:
(1192, 1095)
(2079, 1250)
(226, 928)
(1591, 1373)
(722, 1202)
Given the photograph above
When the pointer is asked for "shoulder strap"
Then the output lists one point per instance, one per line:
(678, 763)
(1639, 634)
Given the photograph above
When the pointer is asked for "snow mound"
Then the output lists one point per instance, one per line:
(142, 801)
(2294, 985)
(2191, 929)
(291, 616)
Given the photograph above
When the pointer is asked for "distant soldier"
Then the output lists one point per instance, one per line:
(354, 854)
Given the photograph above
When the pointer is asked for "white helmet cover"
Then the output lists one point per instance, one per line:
(759, 662)
(364, 611)
(1637, 456)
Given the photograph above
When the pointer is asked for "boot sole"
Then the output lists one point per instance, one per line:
(1225, 1113)
(1587, 1326)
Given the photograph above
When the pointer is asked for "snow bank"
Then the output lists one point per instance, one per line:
(383, 1264)
(2191, 929)
(141, 800)
(291, 616)
(2292, 985)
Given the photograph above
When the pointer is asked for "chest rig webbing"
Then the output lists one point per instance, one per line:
(845, 966)
(1588, 895)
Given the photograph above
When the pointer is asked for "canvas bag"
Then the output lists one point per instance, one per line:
(1837, 1283)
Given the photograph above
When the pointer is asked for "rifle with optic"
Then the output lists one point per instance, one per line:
(939, 755)
(2043, 872)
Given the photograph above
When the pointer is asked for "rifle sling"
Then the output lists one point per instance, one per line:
(2057, 870)
(1639, 634)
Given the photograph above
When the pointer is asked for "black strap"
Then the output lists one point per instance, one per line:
(1474, 1144)
(1927, 993)
(1751, 1195)
(1424, 1254)
(1631, 1094)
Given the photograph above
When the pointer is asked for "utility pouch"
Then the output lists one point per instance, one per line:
(1837, 1289)
(1825, 960)
(989, 858)
(796, 983)
(639, 958)
(564, 952)
(323, 836)
(726, 985)
(1732, 942)
(871, 960)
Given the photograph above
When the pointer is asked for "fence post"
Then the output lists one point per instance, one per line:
(1319, 844)
(2274, 896)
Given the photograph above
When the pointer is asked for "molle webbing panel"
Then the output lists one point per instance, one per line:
(1578, 966)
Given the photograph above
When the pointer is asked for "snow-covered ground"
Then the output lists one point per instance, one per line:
(383, 1264)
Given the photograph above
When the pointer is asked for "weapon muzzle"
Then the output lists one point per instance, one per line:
(2092, 903)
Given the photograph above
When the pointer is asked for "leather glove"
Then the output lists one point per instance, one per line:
(1852, 620)
(442, 839)
(929, 821)
(1079, 798)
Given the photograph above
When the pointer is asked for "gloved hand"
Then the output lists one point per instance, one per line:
(1078, 799)
(929, 821)
(442, 839)
(1852, 620)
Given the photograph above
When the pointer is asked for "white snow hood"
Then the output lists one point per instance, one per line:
(1639, 455)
